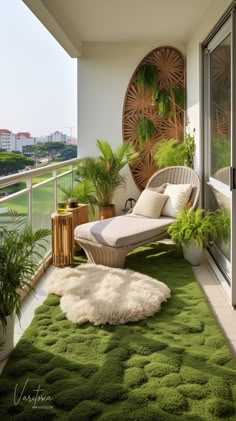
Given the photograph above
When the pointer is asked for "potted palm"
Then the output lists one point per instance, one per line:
(192, 229)
(20, 252)
(83, 191)
(104, 173)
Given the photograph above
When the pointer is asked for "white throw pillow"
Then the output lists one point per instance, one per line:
(150, 204)
(159, 189)
(179, 195)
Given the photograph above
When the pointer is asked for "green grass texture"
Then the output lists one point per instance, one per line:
(173, 366)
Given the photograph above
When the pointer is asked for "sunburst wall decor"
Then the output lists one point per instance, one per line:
(139, 103)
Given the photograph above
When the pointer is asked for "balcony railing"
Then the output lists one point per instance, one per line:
(34, 194)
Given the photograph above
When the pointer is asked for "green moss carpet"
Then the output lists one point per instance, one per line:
(172, 366)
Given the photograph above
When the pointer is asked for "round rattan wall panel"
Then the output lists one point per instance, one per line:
(139, 103)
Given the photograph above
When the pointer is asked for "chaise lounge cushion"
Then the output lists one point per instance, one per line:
(122, 231)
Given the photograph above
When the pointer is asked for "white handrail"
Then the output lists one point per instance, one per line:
(15, 178)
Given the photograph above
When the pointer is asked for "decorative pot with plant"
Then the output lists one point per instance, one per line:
(83, 191)
(104, 173)
(20, 252)
(192, 229)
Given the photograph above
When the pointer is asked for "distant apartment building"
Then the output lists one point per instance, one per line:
(24, 139)
(57, 137)
(7, 140)
(15, 142)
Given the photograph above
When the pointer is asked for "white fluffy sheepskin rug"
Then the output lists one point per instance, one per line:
(100, 294)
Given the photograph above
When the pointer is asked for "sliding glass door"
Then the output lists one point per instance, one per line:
(219, 156)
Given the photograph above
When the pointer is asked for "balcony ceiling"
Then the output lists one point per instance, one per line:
(73, 22)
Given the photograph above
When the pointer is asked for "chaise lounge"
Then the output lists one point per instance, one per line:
(108, 241)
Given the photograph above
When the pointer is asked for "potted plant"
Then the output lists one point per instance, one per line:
(192, 229)
(83, 191)
(104, 173)
(20, 251)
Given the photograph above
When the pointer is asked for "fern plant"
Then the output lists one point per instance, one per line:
(145, 130)
(172, 152)
(147, 78)
(168, 99)
(193, 225)
(163, 102)
(168, 153)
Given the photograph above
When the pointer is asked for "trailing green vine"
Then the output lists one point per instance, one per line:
(145, 130)
(147, 78)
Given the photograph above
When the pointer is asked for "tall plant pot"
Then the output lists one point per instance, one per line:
(107, 211)
(192, 252)
(7, 337)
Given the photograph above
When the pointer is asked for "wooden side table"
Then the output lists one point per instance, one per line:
(80, 216)
(62, 238)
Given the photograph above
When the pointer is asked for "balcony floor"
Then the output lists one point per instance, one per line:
(215, 294)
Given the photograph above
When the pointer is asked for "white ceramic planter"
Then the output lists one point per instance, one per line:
(7, 337)
(192, 253)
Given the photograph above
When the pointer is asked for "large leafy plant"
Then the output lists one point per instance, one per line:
(104, 171)
(193, 225)
(20, 251)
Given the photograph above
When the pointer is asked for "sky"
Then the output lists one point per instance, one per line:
(38, 79)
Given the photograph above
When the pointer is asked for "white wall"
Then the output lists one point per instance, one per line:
(104, 72)
(194, 72)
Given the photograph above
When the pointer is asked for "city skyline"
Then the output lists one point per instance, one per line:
(38, 79)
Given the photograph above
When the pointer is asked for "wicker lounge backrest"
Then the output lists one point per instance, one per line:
(178, 175)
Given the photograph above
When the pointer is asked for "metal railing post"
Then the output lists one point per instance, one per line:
(30, 199)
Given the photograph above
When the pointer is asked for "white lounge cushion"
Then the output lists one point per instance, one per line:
(150, 204)
(179, 195)
(123, 230)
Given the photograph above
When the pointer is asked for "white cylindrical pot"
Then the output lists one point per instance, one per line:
(192, 252)
(7, 337)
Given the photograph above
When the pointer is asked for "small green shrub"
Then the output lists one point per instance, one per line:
(169, 153)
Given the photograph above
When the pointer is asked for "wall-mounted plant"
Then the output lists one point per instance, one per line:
(145, 130)
(147, 78)
(169, 99)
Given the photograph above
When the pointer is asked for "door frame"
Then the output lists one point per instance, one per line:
(229, 27)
